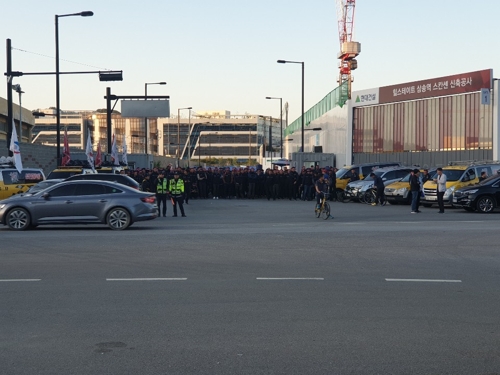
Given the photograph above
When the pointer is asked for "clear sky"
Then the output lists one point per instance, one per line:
(221, 54)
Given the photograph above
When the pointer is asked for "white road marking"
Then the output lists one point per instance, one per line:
(426, 280)
(290, 278)
(13, 280)
(152, 279)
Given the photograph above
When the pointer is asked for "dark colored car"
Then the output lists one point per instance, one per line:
(113, 177)
(483, 197)
(79, 202)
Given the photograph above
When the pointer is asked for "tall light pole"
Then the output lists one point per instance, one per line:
(281, 123)
(146, 127)
(17, 89)
(302, 63)
(179, 132)
(58, 96)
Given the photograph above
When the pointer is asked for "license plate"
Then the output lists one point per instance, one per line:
(427, 198)
(454, 200)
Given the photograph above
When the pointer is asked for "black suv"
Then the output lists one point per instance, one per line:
(483, 197)
(119, 178)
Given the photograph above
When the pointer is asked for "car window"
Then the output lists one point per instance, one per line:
(471, 173)
(453, 174)
(402, 173)
(90, 189)
(366, 170)
(390, 175)
(112, 190)
(63, 191)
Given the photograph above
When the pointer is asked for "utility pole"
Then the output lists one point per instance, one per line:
(10, 114)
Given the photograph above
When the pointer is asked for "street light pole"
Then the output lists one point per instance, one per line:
(179, 133)
(302, 116)
(58, 96)
(281, 123)
(146, 127)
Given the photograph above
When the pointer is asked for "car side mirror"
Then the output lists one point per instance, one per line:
(45, 195)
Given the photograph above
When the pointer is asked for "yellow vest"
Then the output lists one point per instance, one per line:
(176, 187)
(162, 188)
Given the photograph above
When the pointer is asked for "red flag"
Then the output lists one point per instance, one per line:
(98, 158)
(66, 155)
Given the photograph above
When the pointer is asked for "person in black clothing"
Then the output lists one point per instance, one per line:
(187, 185)
(202, 183)
(426, 176)
(147, 185)
(379, 186)
(260, 186)
(161, 193)
(354, 176)
(307, 182)
(252, 183)
(216, 184)
(333, 185)
(269, 183)
(321, 187)
(415, 190)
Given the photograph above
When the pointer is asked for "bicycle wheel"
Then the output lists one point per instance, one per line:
(361, 197)
(370, 197)
(346, 197)
(326, 211)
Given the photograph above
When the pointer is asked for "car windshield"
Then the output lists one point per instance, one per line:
(370, 178)
(341, 172)
(406, 178)
(453, 174)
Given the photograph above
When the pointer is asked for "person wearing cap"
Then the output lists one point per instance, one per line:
(161, 193)
(176, 189)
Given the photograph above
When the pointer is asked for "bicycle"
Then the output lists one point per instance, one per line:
(345, 196)
(324, 209)
(368, 197)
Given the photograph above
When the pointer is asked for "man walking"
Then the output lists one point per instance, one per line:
(440, 180)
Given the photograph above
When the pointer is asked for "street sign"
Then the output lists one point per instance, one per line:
(485, 96)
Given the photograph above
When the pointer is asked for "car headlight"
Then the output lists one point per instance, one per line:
(2, 206)
(469, 192)
(401, 191)
(450, 190)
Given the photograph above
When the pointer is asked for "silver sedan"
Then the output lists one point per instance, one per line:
(79, 202)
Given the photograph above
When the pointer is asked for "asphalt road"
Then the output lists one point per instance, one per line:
(255, 287)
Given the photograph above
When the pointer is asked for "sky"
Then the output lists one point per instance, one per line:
(221, 54)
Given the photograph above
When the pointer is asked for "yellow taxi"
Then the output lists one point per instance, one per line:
(14, 182)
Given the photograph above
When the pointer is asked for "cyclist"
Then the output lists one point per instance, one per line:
(321, 187)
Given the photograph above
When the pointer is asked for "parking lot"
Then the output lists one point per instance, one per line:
(247, 287)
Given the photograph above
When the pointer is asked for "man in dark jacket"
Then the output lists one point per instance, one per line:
(415, 190)
(379, 186)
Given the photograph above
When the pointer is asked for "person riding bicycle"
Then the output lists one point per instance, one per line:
(321, 187)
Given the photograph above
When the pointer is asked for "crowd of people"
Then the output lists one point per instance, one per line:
(239, 183)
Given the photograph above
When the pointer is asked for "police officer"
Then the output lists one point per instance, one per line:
(176, 189)
(161, 193)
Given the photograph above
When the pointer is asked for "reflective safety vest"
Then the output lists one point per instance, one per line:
(161, 188)
(176, 187)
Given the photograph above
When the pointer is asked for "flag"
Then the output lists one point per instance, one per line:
(114, 152)
(14, 147)
(89, 152)
(124, 151)
(66, 156)
(98, 158)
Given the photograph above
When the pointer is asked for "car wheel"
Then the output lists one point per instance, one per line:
(118, 219)
(18, 219)
(485, 204)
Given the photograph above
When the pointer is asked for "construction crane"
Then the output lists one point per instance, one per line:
(349, 49)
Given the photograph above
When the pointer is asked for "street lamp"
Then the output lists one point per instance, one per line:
(179, 132)
(146, 127)
(302, 63)
(17, 88)
(58, 96)
(281, 123)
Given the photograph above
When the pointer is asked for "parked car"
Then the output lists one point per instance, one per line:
(13, 182)
(399, 191)
(387, 174)
(120, 178)
(458, 175)
(483, 197)
(79, 202)
(344, 174)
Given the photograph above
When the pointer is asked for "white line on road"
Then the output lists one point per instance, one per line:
(152, 279)
(13, 280)
(426, 280)
(290, 278)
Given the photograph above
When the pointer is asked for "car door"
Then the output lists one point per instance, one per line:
(90, 200)
(54, 204)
